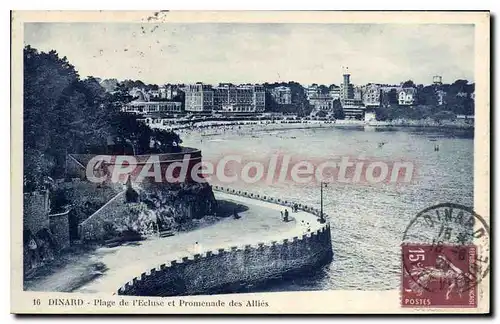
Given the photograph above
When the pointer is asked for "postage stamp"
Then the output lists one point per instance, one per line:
(250, 162)
(442, 277)
(445, 271)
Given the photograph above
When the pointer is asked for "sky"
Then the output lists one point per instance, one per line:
(257, 53)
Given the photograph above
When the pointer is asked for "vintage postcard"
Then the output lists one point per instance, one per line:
(250, 162)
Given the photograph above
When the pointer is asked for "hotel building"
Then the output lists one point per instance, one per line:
(199, 98)
(282, 95)
(372, 95)
(407, 96)
(229, 98)
(351, 98)
(321, 102)
(142, 106)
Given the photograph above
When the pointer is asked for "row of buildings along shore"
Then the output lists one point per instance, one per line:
(247, 99)
(199, 98)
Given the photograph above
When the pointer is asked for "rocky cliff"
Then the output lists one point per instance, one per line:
(176, 204)
(168, 205)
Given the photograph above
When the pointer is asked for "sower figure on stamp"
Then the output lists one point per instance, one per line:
(444, 272)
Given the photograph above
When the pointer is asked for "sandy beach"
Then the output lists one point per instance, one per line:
(209, 128)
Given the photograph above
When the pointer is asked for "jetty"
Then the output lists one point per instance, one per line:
(257, 246)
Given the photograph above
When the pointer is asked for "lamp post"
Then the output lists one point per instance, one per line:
(322, 218)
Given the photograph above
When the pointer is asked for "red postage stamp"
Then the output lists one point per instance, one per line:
(439, 276)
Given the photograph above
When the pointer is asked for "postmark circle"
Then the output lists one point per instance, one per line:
(447, 244)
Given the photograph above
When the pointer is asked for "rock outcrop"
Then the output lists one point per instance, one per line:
(148, 208)
(176, 204)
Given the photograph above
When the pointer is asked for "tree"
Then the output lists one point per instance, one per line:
(458, 97)
(444, 115)
(338, 111)
(321, 114)
(270, 104)
(409, 84)
(323, 89)
(299, 105)
(391, 96)
(427, 95)
(46, 78)
(109, 84)
(64, 114)
(129, 84)
(382, 113)
(304, 109)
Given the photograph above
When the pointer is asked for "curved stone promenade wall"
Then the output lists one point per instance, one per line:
(274, 200)
(228, 269)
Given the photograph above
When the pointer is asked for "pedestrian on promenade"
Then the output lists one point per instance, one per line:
(282, 218)
(286, 215)
(196, 248)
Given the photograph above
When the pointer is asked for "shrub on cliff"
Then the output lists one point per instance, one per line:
(180, 202)
(165, 219)
(136, 218)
